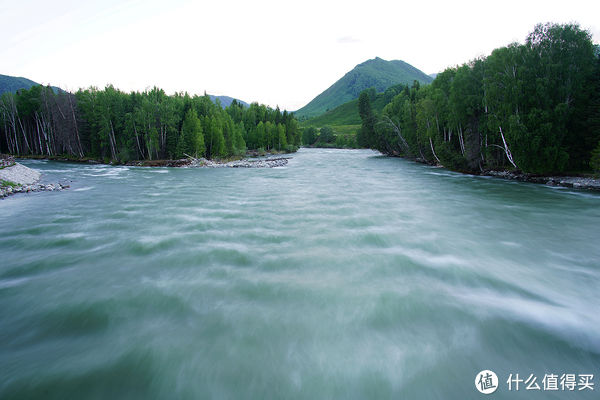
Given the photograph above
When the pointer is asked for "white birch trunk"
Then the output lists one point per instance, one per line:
(507, 150)
(433, 151)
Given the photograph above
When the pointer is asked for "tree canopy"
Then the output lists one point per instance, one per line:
(118, 126)
(531, 106)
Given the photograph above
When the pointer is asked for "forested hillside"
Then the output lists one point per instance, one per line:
(376, 73)
(533, 107)
(347, 113)
(118, 126)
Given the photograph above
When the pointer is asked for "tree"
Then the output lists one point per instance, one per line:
(326, 135)
(215, 145)
(191, 140)
(281, 137)
(239, 143)
(367, 132)
(309, 135)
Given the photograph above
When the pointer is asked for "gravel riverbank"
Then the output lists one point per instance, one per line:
(18, 178)
(205, 163)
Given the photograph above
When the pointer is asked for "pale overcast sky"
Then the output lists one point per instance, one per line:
(274, 52)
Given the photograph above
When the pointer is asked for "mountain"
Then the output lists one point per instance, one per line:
(226, 100)
(377, 73)
(347, 114)
(13, 83)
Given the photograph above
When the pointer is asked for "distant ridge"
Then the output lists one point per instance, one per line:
(13, 83)
(226, 100)
(377, 73)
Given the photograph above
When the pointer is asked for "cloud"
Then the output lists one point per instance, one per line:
(348, 40)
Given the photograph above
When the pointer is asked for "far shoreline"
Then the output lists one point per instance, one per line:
(176, 163)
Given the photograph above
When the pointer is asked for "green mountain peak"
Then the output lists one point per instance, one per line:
(376, 72)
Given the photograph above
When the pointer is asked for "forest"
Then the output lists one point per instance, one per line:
(119, 127)
(532, 107)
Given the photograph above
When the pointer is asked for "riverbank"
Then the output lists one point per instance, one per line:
(205, 163)
(17, 178)
(575, 182)
(268, 160)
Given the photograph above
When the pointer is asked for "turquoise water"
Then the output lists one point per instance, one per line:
(344, 275)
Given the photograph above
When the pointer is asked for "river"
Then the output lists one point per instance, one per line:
(343, 275)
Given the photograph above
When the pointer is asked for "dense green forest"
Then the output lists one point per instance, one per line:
(533, 107)
(120, 127)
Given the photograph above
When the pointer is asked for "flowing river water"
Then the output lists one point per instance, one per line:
(344, 275)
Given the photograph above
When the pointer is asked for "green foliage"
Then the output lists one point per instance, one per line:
(191, 140)
(346, 129)
(4, 183)
(326, 135)
(366, 135)
(281, 138)
(342, 136)
(347, 113)
(377, 73)
(530, 106)
(345, 119)
(309, 135)
(117, 126)
(215, 141)
(290, 148)
(344, 114)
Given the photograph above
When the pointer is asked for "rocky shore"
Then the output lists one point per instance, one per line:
(245, 163)
(6, 191)
(205, 163)
(17, 178)
(574, 182)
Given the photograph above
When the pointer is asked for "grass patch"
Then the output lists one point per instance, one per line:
(4, 183)
(346, 129)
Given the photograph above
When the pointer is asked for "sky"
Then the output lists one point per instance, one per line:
(280, 53)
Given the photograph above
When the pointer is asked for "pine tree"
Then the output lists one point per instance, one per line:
(367, 131)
